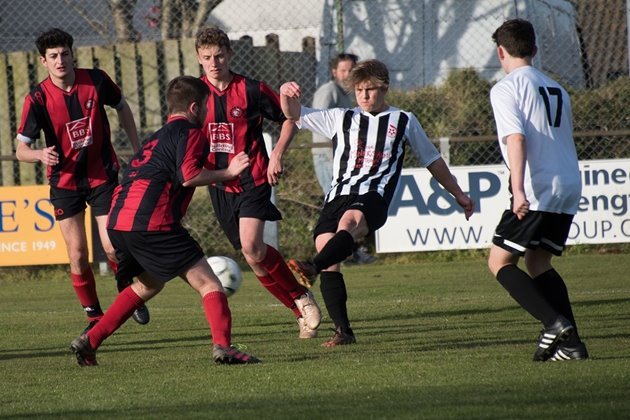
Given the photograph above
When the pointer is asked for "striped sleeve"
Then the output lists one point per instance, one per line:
(191, 155)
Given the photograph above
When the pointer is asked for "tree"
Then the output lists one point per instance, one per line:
(177, 18)
(122, 11)
(182, 18)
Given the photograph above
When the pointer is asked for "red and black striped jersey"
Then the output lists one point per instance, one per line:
(235, 123)
(75, 123)
(151, 196)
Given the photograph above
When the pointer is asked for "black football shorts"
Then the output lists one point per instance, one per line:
(164, 255)
(68, 203)
(230, 207)
(371, 204)
(537, 229)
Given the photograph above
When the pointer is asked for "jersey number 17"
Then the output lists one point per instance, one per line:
(546, 92)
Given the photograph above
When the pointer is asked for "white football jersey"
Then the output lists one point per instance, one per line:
(528, 102)
(368, 149)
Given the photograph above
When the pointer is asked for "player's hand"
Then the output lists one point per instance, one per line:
(520, 206)
(291, 90)
(275, 169)
(238, 164)
(49, 156)
(467, 204)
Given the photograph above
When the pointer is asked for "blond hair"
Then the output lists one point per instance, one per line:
(369, 70)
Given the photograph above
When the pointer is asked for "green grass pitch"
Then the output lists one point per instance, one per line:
(435, 340)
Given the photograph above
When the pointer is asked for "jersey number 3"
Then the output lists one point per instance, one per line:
(546, 92)
(147, 151)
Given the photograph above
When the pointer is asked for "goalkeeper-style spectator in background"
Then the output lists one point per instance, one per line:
(331, 94)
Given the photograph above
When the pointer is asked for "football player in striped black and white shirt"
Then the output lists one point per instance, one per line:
(368, 149)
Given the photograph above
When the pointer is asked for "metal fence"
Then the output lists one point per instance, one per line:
(440, 55)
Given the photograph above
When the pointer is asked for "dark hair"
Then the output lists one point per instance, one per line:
(517, 36)
(368, 70)
(212, 36)
(334, 62)
(52, 38)
(185, 90)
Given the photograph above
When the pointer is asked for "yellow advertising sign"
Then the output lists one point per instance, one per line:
(29, 234)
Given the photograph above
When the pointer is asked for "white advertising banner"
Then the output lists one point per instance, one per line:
(424, 217)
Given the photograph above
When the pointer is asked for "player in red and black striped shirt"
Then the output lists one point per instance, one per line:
(82, 167)
(145, 223)
(236, 108)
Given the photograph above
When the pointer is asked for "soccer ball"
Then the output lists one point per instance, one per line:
(228, 272)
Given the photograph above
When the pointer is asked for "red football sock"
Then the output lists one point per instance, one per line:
(217, 310)
(85, 289)
(280, 272)
(113, 265)
(279, 293)
(121, 309)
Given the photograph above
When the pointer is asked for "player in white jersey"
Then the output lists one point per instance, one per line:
(368, 150)
(535, 132)
(333, 95)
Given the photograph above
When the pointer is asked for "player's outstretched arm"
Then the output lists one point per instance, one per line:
(290, 93)
(238, 164)
(440, 171)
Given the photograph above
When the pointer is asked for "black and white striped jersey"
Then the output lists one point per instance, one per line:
(368, 150)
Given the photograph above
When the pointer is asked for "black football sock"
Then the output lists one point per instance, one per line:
(554, 289)
(337, 249)
(524, 291)
(333, 290)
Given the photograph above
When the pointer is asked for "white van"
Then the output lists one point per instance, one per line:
(421, 41)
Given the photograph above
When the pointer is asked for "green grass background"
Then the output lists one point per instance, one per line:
(436, 339)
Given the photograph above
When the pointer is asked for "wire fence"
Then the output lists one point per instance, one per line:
(440, 55)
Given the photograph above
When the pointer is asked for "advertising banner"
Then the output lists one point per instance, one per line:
(29, 234)
(424, 217)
